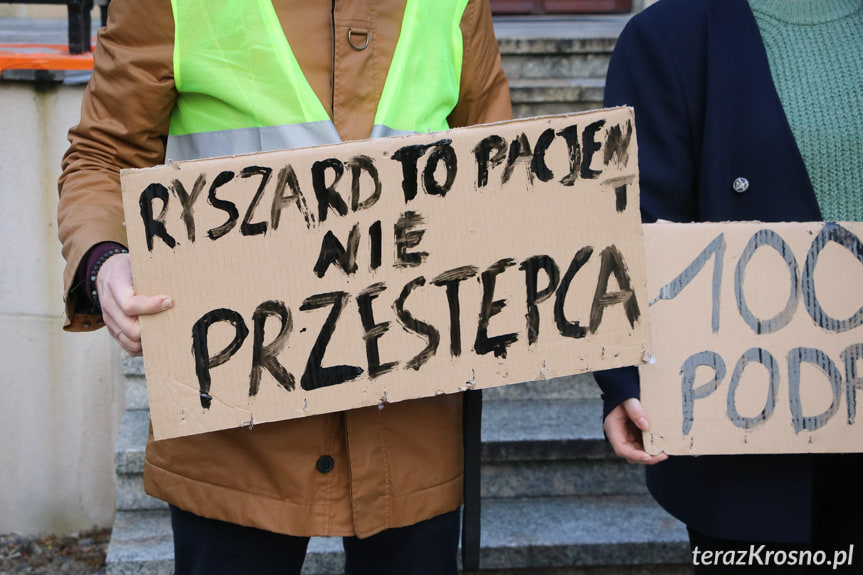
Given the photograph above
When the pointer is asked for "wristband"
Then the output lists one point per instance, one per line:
(94, 272)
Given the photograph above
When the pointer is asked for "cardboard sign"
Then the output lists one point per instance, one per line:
(757, 338)
(329, 278)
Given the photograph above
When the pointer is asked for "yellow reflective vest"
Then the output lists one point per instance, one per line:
(241, 89)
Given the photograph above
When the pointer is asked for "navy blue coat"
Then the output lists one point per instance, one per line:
(707, 112)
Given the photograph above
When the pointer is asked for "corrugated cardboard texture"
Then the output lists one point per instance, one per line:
(762, 354)
(328, 278)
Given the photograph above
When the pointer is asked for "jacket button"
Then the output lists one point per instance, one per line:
(740, 185)
(325, 464)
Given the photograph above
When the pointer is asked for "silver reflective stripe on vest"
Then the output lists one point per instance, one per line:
(381, 131)
(249, 140)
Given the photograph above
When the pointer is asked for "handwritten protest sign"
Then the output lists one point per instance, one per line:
(758, 337)
(323, 279)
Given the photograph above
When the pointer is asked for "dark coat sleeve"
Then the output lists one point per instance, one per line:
(644, 73)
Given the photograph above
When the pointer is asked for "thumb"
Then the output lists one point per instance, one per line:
(635, 412)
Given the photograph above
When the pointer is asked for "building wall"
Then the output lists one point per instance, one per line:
(32, 11)
(60, 400)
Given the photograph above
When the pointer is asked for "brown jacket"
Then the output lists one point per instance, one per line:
(393, 466)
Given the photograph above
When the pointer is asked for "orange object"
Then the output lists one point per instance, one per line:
(42, 57)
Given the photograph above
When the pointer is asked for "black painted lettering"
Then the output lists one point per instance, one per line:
(333, 252)
(490, 308)
(590, 146)
(689, 392)
(247, 228)
(531, 268)
(611, 262)
(155, 227)
(373, 331)
(375, 245)
(266, 356)
(201, 347)
(187, 201)
(519, 152)
(831, 232)
(617, 142)
(716, 249)
(766, 237)
(484, 158)
(537, 165)
(413, 325)
(564, 326)
(288, 178)
(620, 198)
(766, 359)
(821, 360)
(358, 165)
(451, 279)
(408, 156)
(327, 195)
(570, 135)
(315, 376)
(407, 236)
(446, 154)
(228, 207)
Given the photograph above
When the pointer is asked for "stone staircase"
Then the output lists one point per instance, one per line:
(556, 64)
(556, 501)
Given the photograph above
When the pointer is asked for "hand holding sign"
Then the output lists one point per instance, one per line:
(624, 427)
(121, 306)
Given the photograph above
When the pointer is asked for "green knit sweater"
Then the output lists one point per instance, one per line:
(815, 51)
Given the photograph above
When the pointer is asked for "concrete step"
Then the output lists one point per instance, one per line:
(136, 383)
(543, 429)
(581, 386)
(129, 463)
(551, 448)
(537, 97)
(542, 536)
(141, 544)
(557, 46)
(561, 65)
(557, 64)
(531, 448)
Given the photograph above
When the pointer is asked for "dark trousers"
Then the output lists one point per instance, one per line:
(210, 547)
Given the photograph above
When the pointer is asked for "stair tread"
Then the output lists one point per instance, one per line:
(520, 429)
(516, 533)
(557, 28)
(543, 430)
(542, 419)
(132, 441)
(546, 83)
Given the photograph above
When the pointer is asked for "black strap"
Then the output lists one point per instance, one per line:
(472, 437)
